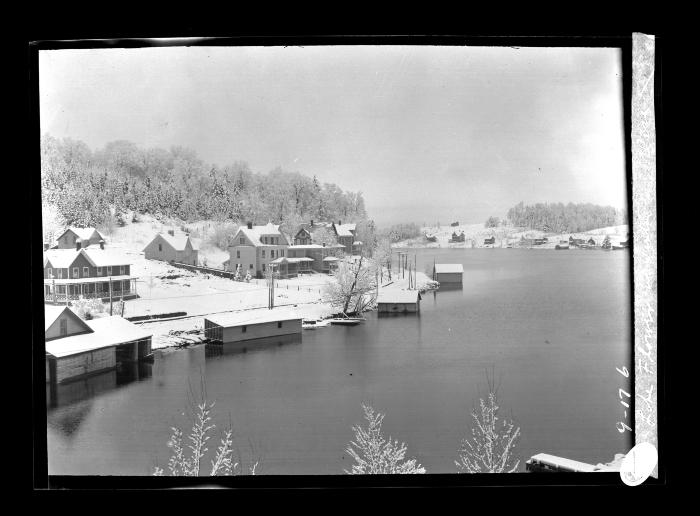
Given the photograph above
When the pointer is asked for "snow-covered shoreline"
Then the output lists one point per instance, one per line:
(475, 234)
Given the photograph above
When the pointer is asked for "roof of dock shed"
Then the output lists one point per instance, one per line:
(448, 268)
(252, 317)
(395, 295)
(107, 332)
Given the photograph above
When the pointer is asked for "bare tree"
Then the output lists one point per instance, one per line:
(375, 455)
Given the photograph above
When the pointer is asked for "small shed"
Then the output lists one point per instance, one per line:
(248, 325)
(88, 347)
(448, 272)
(394, 300)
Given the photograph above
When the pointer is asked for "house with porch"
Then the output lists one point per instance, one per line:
(308, 258)
(90, 273)
(172, 247)
(73, 236)
(254, 247)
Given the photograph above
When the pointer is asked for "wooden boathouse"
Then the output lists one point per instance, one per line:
(248, 325)
(448, 273)
(76, 348)
(394, 300)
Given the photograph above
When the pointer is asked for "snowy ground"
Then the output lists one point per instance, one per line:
(475, 234)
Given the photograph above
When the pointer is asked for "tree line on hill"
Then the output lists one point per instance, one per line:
(98, 188)
(558, 217)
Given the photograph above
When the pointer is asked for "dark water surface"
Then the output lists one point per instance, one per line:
(555, 325)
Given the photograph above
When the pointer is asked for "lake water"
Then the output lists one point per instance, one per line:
(554, 326)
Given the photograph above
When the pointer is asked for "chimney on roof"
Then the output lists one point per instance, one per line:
(312, 222)
(78, 243)
(250, 225)
(102, 245)
(171, 232)
(324, 244)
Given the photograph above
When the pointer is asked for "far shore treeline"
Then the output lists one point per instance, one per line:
(558, 217)
(98, 188)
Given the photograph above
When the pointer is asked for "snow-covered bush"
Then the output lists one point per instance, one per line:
(375, 455)
(189, 464)
(490, 449)
(86, 308)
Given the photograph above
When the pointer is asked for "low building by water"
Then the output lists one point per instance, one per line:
(253, 324)
(448, 273)
(394, 300)
(76, 348)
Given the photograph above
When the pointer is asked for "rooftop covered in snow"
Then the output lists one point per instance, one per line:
(442, 268)
(249, 317)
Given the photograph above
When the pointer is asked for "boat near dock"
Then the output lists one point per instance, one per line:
(314, 324)
(346, 321)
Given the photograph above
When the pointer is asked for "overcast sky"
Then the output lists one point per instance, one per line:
(426, 133)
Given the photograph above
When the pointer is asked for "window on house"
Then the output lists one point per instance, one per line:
(109, 270)
(76, 272)
(49, 272)
(282, 252)
(263, 253)
(99, 271)
(279, 324)
(160, 248)
(272, 253)
(74, 239)
(86, 272)
(244, 329)
(60, 273)
(64, 327)
(121, 270)
(238, 254)
(251, 265)
(242, 241)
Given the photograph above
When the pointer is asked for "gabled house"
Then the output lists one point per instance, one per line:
(346, 234)
(255, 247)
(172, 247)
(90, 273)
(76, 348)
(73, 238)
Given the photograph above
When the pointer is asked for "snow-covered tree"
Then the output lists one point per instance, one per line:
(491, 446)
(376, 455)
(353, 286)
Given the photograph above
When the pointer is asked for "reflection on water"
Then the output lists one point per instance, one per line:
(554, 325)
(250, 346)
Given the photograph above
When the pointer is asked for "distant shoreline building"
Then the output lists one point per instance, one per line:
(73, 236)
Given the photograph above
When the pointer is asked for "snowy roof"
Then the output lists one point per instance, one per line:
(83, 233)
(448, 268)
(64, 258)
(357, 243)
(345, 230)
(330, 259)
(105, 257)
(257, 232)
(571, 465)
(60, 258)
(177, 241)
(291, 260)
(252, 317)
(51, 313)
(395, 295)
(315, 246)
(107, 332)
